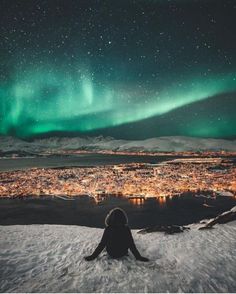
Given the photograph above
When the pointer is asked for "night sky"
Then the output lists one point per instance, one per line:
(127, 69)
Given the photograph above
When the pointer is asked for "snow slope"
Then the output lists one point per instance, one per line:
(49, 258)
(175, 143)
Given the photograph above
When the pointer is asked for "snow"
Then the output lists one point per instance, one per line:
(225, 193)
(168, 144)
(49, 258)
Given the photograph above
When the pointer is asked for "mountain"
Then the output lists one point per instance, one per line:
(174, 143)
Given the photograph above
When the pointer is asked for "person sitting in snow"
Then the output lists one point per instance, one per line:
(117, 237)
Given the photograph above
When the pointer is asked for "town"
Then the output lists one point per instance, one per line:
(136, 181)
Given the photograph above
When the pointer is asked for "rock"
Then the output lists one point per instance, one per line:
(206, 228)
(203, 222)
(171, 229)
(223, 218)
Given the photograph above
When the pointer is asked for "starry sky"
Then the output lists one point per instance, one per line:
(127, 69)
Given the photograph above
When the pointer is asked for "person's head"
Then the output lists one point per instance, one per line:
(116, 217)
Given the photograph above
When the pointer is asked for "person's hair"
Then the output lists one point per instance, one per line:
(116, 217)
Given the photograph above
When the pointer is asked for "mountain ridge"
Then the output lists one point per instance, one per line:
(100, 143)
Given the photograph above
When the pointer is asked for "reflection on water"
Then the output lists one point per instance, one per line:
(162, 201)
(137, 201)
(141, 200)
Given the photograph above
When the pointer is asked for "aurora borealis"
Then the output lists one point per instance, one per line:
(92, 67)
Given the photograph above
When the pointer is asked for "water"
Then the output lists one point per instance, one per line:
(79, 160)
(85, 211)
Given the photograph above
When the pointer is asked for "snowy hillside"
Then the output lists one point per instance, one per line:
(8, 144)
(49, 258)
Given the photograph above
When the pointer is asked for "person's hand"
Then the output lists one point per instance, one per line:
(89, 258)
(141, 258)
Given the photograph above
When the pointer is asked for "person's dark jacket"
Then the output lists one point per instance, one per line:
(117, 240)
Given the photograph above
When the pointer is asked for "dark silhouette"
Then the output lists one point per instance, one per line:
(117, 237)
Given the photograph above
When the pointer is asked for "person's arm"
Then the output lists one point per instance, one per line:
(133, 247)
(100, 246)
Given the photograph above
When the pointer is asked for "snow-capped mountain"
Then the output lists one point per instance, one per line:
(168, 144)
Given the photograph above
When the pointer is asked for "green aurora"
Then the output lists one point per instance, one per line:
(127, 69)
(47, 101)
